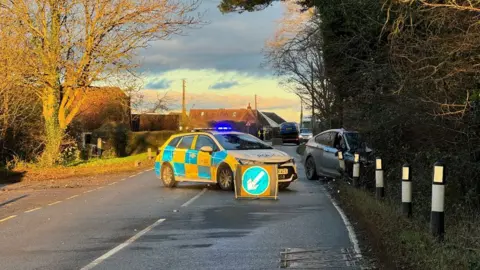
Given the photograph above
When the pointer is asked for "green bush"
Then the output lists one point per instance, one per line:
(115, 137)
(139, 142)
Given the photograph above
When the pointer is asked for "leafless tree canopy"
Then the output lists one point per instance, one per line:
(70, 44)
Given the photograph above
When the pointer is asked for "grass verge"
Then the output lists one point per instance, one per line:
(87, 168)
(401, 243)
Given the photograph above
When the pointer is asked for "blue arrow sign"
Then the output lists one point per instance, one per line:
(255, 180)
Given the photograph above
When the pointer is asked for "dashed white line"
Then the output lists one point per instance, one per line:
(121, 246)
(74, 196)
(131, 176)
(34, 209)
(88, 191)
(99, 188)
(7, 218)
(54, 203)
(123, 179)
(111, 184)
(194, 198)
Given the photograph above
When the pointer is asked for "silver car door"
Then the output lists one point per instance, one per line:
(330, 159)
(318, 153)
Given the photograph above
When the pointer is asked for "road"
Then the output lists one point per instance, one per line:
(139, 224)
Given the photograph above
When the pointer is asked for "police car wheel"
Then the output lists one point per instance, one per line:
(310, 169)
(225, 178)
(283, 186)
(168, 177)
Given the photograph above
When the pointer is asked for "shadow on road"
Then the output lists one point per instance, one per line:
(9, 177)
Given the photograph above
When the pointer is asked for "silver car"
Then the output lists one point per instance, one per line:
(305, 134)
(321, 153)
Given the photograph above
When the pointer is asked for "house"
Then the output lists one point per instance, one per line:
(102, 105)
(245, 120)
(155, 122)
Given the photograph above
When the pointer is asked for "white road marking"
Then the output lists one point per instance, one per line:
(34, 209)
(131, 176)
(7, 218)
(100, 187)
(123, 179)
(351, 231)
(89, 191)
(121, 246)
(194, 198)
(111, 184)
(54, 203)
(74, 196)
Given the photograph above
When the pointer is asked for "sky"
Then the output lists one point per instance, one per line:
(221, 62)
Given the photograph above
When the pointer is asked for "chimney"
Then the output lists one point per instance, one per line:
(249, 107)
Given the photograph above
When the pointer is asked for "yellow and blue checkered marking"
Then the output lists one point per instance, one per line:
(193, 163)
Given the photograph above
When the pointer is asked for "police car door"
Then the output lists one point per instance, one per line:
(204, 160)
(181, 159)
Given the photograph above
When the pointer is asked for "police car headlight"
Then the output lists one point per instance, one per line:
(248, 162)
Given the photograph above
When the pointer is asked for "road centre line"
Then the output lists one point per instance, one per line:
(111, 184)
(194, 198)
(7, 218)
(54, 203)
(74, 196)
(99, 188)
(121, 246)
(34, 209)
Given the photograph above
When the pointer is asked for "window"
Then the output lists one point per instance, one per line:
(174, 142)
(330, 139)
(234, 114)
(354, 140)
(186, 142)
(241, 142)
(326, 139)
(202, 113)
(205, 141)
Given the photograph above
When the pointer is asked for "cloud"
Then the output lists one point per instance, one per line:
(159, 84)
(223, 85)
(230, 42)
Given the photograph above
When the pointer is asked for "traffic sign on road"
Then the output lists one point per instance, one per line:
(254, 181)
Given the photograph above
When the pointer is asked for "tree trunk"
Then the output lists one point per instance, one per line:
(53, 132)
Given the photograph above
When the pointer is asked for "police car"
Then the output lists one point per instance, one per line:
(212, 155)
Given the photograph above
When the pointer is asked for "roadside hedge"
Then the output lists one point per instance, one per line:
(139, 142)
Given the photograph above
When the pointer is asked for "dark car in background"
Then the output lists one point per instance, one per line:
(289, 132)
(321, 153)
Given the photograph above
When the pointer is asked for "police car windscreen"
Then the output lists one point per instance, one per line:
(241, 142)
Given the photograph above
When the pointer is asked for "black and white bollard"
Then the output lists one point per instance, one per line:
(379, 183)
(406, 191)
(341, 161)
(437, 219)
(356, 170)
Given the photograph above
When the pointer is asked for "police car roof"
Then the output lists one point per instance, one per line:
(215, 132)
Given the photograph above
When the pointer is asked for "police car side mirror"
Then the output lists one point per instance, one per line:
(207, 149)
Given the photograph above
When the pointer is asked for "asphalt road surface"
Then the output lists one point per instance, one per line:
(139, 224)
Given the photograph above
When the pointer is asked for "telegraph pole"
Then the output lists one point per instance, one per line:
(184, 106)
(301, 113)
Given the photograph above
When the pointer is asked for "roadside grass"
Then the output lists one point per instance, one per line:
(91, 167)
(401, 243)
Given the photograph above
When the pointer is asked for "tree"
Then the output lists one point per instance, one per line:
(75, 43)
(299, 59)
